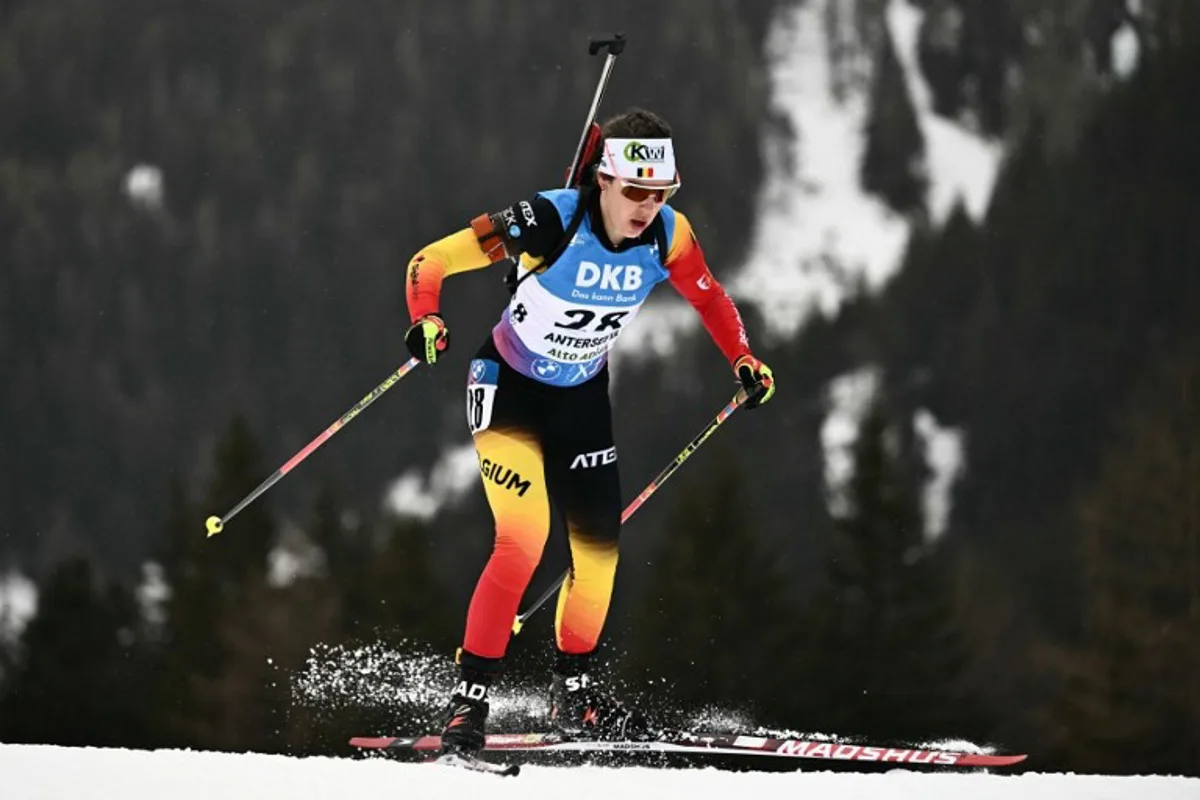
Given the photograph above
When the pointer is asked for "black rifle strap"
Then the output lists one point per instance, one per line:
(581, 210)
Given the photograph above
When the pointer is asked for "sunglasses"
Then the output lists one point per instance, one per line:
(638, 193)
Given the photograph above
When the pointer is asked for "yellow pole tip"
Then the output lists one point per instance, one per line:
(517, 625)
(214, 526)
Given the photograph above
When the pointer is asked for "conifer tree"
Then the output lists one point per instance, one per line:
(81, 667)
(265, 640)
(885, 658)
(1131, 691)
(893, 165)
(210, 579)
(711, 620)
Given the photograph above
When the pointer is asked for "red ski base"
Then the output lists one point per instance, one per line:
(714, 744)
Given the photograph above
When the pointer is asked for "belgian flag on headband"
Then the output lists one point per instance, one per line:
(645, 172)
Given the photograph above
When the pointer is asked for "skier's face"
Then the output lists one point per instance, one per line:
(628, 207)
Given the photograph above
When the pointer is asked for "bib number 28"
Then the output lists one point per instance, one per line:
(480, 398)
(581, 319)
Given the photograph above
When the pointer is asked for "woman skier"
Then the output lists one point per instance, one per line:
(537, 398)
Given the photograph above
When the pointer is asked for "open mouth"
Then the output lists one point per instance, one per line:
(638, 224)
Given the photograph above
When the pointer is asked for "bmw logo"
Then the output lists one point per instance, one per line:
(546, 368)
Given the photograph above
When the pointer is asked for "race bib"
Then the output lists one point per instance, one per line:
(481, 394)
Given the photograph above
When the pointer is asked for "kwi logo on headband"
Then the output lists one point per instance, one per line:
(636, 151)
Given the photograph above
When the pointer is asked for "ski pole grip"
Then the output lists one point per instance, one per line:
(615, 45)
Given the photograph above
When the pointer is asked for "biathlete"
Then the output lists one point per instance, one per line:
(537, 398)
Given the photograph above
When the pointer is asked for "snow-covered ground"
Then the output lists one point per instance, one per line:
(52, 773)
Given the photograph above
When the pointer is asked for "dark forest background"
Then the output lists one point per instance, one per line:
(159, 361)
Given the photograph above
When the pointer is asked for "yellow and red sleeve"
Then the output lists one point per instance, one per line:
(458, 252)
(691, 277)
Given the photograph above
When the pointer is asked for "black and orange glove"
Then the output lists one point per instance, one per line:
(427, 337)
(756, 379)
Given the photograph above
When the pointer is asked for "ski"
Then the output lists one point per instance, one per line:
(710, 744)
(464, 761)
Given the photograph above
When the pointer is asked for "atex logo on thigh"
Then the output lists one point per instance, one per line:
(594, 459)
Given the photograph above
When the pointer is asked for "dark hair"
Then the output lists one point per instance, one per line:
(633, 123)
(636, 123)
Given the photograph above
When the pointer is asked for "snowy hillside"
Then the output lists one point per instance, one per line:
(817, 231)
(49, 773)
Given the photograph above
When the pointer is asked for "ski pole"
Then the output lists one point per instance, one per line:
(216, 524)
(693, 446)
(615, 45)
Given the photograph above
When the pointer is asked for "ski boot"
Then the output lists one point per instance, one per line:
(467, 712)
(579, 709)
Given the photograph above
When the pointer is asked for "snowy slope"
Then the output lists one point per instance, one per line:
(816, 231)
(50, 773)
